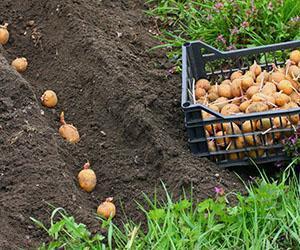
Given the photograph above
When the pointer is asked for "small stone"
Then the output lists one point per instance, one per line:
(217, 175)
(42, 112)
(119, 34)
(30, 23)
(103, 133)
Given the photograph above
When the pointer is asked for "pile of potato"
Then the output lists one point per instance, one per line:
(255, 90)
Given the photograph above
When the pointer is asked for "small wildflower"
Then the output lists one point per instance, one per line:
(293, 139)
(221, 39)
(209, 17)
(245, 24)
(219, 6)
(270, 6)
(295, 19)
(234, 31)
(219, 191)
(171, 71)
(248, 12)
(231, 47)
(253, 8)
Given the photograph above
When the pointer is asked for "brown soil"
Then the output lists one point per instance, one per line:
(94, 54)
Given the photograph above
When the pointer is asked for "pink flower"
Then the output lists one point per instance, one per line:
(171, 71)
(219, 191)
(248, 12)
(221, 39)
(219, 6)
(245, 24)
(234, 31)
(209, 17)
(231, 47)
(270, 6)
(295, 19)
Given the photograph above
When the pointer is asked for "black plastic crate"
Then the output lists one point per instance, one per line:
(200, 60)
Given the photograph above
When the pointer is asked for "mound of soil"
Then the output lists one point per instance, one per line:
(94, 54)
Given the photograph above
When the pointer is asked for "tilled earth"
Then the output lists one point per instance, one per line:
(95, 56)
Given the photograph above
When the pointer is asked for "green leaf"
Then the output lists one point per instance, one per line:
(56, 228)
(157, 214)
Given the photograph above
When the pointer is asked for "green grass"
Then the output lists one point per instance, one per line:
(225, 24)
(267, 218)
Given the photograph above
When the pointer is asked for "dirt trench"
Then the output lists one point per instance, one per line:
(95, 55)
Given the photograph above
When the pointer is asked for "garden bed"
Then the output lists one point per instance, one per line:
(93, 54)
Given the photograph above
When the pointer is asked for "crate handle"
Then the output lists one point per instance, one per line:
(202, 45)
(210, 48)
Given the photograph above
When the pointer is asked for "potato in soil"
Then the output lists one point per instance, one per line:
(68, 131)
(107, 209)
(49, 99)
(20, 64)
(4, 34)
(87, 178)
